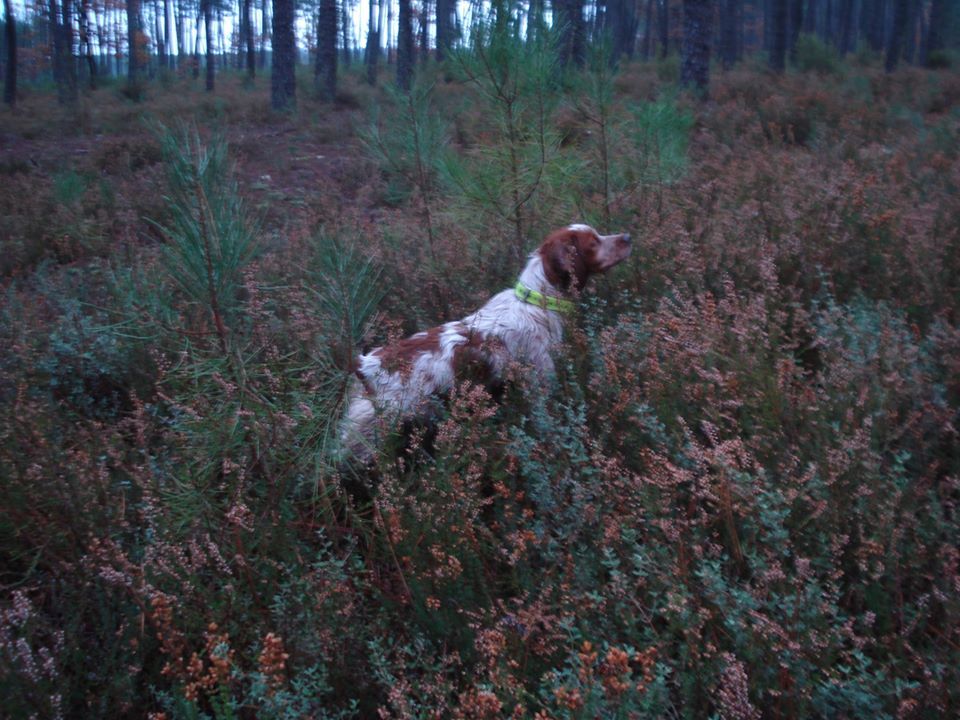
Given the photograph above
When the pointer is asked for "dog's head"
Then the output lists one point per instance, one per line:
(574, 253)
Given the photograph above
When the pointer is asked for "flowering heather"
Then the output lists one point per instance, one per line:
(737, 498)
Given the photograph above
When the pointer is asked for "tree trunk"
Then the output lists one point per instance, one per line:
(404, 45)
(648, 31)
(846, 26)
(389, 36)
(796, 22)
(621, 20)
(373, 44)
(934, 41)
(283, 88)
(697, 32)
(10, 73)
(871, 19)
(423, 52)
(264, 31)
(663, 20)
(248, 41)
(133, 25)
(444, 28)
(196, 41)
(325, 73)
(91, 61)
(728, 32)
(913, 17)
(897, 30)
(208, 30)
(64, 68)
(572, 31)
(179, 29)
(810, 18)
(56, 54)
(345, 26)
(161, 34)
(778, 37)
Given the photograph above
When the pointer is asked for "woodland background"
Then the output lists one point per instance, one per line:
(739, 497)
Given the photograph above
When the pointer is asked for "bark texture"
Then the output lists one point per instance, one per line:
(283, 86)
(697, 32)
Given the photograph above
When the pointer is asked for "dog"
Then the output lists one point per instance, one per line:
(522, 324)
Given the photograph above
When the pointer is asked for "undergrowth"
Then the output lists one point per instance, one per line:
(737, 497)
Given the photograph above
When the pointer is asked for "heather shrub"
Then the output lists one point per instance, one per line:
(735, 498)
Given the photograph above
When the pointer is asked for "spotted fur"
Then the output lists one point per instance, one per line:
(406, 379)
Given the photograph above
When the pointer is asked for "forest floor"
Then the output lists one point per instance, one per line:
(738, 497)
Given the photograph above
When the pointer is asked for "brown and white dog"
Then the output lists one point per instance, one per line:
(521, 324)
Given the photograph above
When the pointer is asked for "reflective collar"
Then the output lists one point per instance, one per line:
(548, 302)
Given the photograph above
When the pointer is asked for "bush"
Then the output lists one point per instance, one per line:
(814, 55)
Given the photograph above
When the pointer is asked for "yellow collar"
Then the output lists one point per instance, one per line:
(548, 302)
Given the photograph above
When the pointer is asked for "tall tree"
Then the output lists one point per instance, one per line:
(728, 32)
(910, 41)
(794, 24)
(846, 19)
(373, 43)
(179, 26)
(445, 26)
(663, 23)
(248, 40)
(810, 18)
(159, 35)
(697, 32)
(345, 25)
(86, 42)
(283, 86)
(405, 45)
(325, 75)
(264, 31)
(895, 38)
(208, 34)
(647, 31)
(423, 53)
(572, 31)
(10, 74)
(64, 68)
(133, 29)
(934, 41)
(621, 21)
(778, 36)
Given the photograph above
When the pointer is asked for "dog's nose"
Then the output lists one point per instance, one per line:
(626, 238)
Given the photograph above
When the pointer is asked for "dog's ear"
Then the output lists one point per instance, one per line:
(563, 263)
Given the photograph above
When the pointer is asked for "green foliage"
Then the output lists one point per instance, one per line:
(211, 238)
(409, 147)
(662, 133)
(941, 59)
(814, 55)
(502, 179)
(69, 187)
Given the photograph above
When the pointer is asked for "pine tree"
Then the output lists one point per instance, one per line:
(208, 27)
(405, 46)
(778, 36)
(897, 31)
(133, 26)
(697, 31)
(283, 88)
(10, 75)
(572, 31)
(325, 76)
(445, 28)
